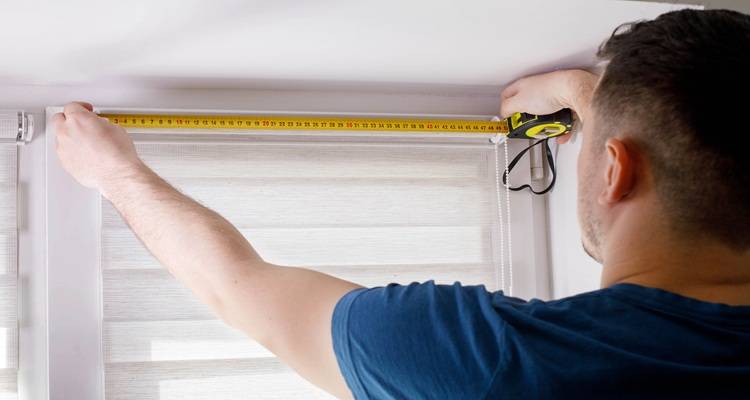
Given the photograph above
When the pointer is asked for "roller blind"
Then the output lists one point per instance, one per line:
(8, 274)
(372, 214)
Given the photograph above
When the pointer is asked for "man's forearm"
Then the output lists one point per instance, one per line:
(197, 245)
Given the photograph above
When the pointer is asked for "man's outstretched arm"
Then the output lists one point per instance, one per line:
(286, 309)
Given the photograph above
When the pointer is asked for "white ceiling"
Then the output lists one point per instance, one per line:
(245, 43)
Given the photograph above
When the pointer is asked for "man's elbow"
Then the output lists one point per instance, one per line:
(241, 300)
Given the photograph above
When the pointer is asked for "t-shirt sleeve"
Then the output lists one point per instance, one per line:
(421, 341)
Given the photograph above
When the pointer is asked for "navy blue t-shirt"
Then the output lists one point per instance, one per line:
(428, 341)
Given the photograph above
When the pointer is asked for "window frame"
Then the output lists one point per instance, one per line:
(59, 263)
(32, 267)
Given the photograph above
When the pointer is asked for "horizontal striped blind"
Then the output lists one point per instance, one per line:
(371, 214)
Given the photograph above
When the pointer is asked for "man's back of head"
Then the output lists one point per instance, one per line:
(679, 85)
(664, 182)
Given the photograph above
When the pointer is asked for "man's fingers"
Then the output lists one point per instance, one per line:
(78, 106)
(509, 107)
(510, 90)
(57, 120)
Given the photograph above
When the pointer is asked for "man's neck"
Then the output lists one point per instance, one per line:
(699, 268)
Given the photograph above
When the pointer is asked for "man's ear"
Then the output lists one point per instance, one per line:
(619, 172)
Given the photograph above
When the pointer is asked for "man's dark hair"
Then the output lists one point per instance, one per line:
(681, 85)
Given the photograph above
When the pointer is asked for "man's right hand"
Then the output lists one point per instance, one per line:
(547, 93)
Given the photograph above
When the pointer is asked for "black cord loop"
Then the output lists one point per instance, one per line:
(550, 161)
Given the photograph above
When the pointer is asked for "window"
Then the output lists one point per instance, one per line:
(370, 210)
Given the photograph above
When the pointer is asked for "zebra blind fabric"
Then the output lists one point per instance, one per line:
(370, 213)
(8, 274)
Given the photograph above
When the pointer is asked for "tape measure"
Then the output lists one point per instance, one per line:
(519, 125)
(530, 126)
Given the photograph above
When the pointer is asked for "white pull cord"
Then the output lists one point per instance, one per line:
(507, 214)
(502, 219)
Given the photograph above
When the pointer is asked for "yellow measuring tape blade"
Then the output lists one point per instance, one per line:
(304, 123)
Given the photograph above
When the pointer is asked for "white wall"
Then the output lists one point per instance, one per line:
(429, 56)
(246, 43)
(573, 271)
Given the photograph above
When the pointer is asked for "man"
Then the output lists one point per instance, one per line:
(663, 205)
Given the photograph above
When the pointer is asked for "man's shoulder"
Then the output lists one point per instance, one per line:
(426, 340)
(410, 304)
(421, 340)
